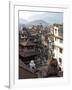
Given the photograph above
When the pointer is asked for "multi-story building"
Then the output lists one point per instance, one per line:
(58, 43)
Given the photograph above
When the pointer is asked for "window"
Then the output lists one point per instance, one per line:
(55, 30)
(60, 32)
(55, 39)
(60, 50)
(60, 60)
(61, 41)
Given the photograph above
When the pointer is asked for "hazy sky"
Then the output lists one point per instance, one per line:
(49, 17)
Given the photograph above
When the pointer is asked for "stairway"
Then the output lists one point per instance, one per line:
(25, 72)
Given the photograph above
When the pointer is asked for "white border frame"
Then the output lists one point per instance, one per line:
(14, 82)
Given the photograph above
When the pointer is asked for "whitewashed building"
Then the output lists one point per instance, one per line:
(58, 44)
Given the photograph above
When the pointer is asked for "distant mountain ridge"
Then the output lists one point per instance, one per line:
(38, 22)
(35, 22)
